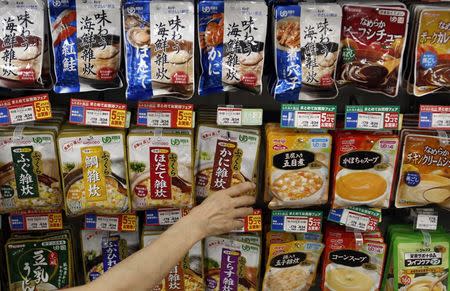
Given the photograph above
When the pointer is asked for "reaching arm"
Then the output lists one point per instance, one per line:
(145, 269)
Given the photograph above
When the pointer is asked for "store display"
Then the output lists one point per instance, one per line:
(231, 35)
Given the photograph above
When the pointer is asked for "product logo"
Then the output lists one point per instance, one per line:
(131, 10)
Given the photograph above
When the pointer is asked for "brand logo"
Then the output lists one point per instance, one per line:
(131, 10)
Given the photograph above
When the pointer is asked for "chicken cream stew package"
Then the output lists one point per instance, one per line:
(86, 36)
(232, 35)
(292, 266)
(161, 168)
(297, 168)
(231, 264)
(22, 43)
(29, 171)
(93, 168)
(224, 157)
(159, 43)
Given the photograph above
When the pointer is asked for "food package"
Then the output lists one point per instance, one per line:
(373, 41)
(161, 168)
(425, 170)
(297, 168)
(230, 263)
(40, 262)
(29, 171)
(224, 157)
(232, 35)
(104, 249)
(86, 37)
(292, 265)
(187, 274)
(363, 169)
(159, 43)
(93, 168)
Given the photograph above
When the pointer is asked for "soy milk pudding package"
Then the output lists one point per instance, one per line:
(159, 42)
(232, 35)
(86, 36)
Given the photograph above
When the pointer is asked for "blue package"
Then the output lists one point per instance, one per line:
(287, 53)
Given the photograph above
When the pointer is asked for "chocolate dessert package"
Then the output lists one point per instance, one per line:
(373, 40)
(86, 37)
(232, 35)
(159, 45)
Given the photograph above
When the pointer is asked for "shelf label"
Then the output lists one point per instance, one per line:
(99, 113)
(434, 117)
(425, 219)
(372, 117)
(238, 116)
(25, 109)
(252, 223)
(356, 217)
(308, 116)
(165, 115)
(164, 216)
(121, 222)
(298, 221)
(35, 220)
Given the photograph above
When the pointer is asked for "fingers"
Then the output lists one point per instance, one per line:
(242, 201)
(238, 224)
(242, 212)
(239, 189)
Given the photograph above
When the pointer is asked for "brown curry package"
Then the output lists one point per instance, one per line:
(29, 171)
(93, 168)
(425, 170)
(363, 169)
(161, 168)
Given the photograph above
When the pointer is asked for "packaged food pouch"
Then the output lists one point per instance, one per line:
(232, 35)
(292, 266)
(93, 168)
(373, 42)
(86, 38)
(22, 44)
(161, 169)
(363, 169)
(29, 175)
(298, 167)
(159, 43)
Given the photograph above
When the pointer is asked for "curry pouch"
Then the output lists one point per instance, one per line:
(93, 166)
(29, 172)
(292, 266)
(224, 158)
(425, 171)
(86, 37)
(159, 43)
(298, 166)
(364, 166)
(161, 169)
(232, 35)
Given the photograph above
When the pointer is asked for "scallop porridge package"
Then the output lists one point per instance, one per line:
(21, 43)
(86, 38)
(232, 35)
(160, 32)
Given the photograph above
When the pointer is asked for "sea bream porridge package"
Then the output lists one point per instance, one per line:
(86, 44)
(159, 43)
(232, 35)
(21, 43)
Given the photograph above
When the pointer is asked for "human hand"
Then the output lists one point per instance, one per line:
(220, 212)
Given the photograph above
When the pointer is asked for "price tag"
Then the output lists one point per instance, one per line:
(308, 116)
(295, 224)
(252, 223)
(427, 222)
(99, 113)
(372, 117)
(299, 221)
(357, 221)
(122, 222)
(164, 216)
(356, 217)
(25, 109)
(237, 116)
(165, 115)
(35, 220)
(107, 223)
(434, 117)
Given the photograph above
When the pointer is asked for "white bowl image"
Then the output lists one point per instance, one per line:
(343, 278)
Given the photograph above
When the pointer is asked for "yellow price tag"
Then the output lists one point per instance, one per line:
(118, 118)
(42, 109)
(184, 118)
(128, 222)
(254, 223)
(55, 221)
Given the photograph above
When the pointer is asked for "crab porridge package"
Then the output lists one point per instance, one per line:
(292, 265)
(161, 168)
(297, 168)
(232, 35)
(93, 168)
(363, 169)
(29, 171)
(86, 37)
(373, 42)
(224, 157)
(159, 43)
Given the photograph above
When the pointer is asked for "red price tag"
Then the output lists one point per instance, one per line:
(128, 222)
(391, 120)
